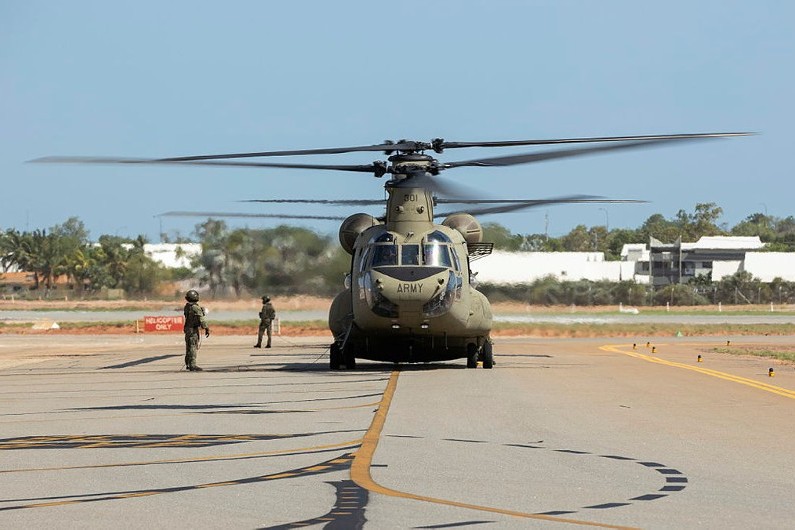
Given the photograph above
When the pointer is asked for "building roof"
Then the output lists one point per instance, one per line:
(725, 243)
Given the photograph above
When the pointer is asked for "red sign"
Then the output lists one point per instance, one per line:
(163, 323)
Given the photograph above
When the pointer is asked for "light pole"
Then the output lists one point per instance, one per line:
(607, 219)
(767, 222)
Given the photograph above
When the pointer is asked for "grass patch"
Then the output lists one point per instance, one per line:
(639, 330)
(781, 352)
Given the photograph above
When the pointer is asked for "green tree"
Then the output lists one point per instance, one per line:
(658, 227)
(142, 275)
(502, 238)
(578, 240)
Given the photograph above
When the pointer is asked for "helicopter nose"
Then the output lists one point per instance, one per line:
(411, 284)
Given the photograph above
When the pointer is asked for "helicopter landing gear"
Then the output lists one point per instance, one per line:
(335, 356)
(487, 355)
(472, 355)
(340, 355)
(348, 358)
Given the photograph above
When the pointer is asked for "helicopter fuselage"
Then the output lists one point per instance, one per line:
(410, 296)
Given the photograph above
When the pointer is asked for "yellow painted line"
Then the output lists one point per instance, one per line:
(360, 470)
(217, 484)
(317, 468)
(616, 348)
(282, 475)
(192, 460)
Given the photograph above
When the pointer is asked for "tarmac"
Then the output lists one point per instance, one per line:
(101, 431)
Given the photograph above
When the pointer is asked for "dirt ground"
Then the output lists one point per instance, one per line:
(308, 303)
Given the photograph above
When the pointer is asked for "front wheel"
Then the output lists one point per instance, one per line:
(488, 355)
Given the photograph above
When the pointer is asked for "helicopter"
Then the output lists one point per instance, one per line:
(410, 293)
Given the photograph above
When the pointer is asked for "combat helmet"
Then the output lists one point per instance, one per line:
(192, 295)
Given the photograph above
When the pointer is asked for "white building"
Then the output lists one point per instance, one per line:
(669, 263)
(173, 255)
(526, 267)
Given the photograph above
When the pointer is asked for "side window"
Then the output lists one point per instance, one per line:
(410, 255)
(365, 253)
(456, 264)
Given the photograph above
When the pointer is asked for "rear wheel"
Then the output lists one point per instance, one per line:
(472, 355)
(335, 356)
(488, 356)
(348, 358)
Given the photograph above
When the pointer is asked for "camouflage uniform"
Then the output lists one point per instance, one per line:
(266, 316)
(194, 320)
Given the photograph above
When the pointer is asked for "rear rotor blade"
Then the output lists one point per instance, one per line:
(522, 205)
(251, 215)
(445, 200)
(344, 202)
(441, 186)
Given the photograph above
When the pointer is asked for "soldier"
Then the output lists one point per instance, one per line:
(194, 319)
(266, 316)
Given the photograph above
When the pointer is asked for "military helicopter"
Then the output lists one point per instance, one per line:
(409, 294)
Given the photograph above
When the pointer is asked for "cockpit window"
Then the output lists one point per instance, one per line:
(384, 255)
(410, 255)
(436, 255)
(386, 237)
(439, 236)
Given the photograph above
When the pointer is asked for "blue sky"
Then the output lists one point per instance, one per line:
(178, 78)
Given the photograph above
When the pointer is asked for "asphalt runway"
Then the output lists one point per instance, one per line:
(110, 431)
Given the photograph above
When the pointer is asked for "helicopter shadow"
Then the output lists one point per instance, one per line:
(384, 368)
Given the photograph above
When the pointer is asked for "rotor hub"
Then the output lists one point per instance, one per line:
(407, 165)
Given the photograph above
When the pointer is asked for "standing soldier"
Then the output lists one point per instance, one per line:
(194, 319)
(266, 316)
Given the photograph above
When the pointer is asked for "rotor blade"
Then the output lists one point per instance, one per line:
(403, 145)
(510, 143)
(409, 145)
(436, 185)
(346, 202)
(534, 204)
(583, 198)
(371, 168)
(251, 215)
(512, 160)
